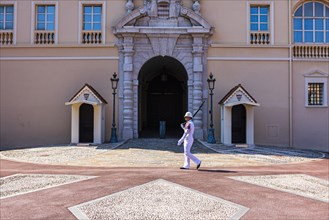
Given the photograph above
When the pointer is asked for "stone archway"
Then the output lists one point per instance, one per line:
(162, 96)
(180, 33)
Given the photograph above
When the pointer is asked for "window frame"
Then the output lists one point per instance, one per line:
(103, 19)
(45, 19)
(92, 14)
(303, 17)
(14, 4)
(317, 77)
(270, 5)
(259, 22)
(34, 18)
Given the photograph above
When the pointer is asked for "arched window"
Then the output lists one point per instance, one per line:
(311, 23)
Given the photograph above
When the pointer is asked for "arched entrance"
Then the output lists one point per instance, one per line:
(238, 124)
(86, 123)
(162, 96)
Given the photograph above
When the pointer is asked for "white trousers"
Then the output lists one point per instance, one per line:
(188, 155)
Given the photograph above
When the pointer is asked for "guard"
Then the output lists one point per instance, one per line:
(187, 138)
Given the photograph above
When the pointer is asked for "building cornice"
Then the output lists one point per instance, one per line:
(107, 45)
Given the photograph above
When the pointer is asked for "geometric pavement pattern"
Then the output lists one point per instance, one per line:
(299, 184)
(19, 184)
(159, 199)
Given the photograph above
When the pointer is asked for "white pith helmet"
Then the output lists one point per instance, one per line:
(188, 114)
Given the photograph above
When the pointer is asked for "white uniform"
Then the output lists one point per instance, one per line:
(187, 138)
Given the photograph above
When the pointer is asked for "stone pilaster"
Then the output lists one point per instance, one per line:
(197, 52)
(128, 102)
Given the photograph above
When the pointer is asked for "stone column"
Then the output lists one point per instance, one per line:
(128, 102)
(197, 84)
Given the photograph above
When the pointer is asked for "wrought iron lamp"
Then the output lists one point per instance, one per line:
(211, 83)
(114, 83)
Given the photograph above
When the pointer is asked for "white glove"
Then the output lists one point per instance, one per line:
(180, 142)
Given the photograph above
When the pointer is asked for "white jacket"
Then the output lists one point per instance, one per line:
(188, 132)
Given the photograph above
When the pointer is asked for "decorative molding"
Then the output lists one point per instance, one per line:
(236, 96)
(143, 35)
(58, 58)
(316, 73)
(87, 94)
(248, 58)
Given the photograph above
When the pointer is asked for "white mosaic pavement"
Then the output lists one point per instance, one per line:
(19, 184)
(159, 199)
(159, 153)
(299, 184)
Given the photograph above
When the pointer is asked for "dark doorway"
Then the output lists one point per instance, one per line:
(162, 96)
(164, 102)
(238, 124)
(86, 123)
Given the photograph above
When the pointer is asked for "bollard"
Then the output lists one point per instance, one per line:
(162, 129)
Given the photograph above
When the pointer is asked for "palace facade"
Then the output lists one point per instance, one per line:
(270, 59)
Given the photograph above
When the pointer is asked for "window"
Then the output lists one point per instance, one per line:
(92, 17)
(316, 89)
(259, 24)
(7, 25)
(259, 18)
(92, 24)
(315, 94)
(45, 17)
(45, 23)
(6, 17)
(311, 23)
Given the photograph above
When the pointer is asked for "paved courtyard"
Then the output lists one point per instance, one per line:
(141, 179)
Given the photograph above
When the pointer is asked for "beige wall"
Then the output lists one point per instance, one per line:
(310, 124)
(33, 96)
(33, 92)
(267, 82)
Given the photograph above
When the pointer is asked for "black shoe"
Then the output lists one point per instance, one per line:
(197, 167)
(183, 168)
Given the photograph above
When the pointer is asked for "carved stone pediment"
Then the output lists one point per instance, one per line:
(157, 14)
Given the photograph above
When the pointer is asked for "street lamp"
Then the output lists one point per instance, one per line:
(211, 83)
(114, 83)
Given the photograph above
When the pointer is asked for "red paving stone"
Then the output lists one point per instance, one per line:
(264, 203)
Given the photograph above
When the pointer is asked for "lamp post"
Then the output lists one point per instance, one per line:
(114, 83)
(211, 83)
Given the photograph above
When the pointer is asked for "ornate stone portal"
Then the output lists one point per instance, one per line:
(161, 28)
